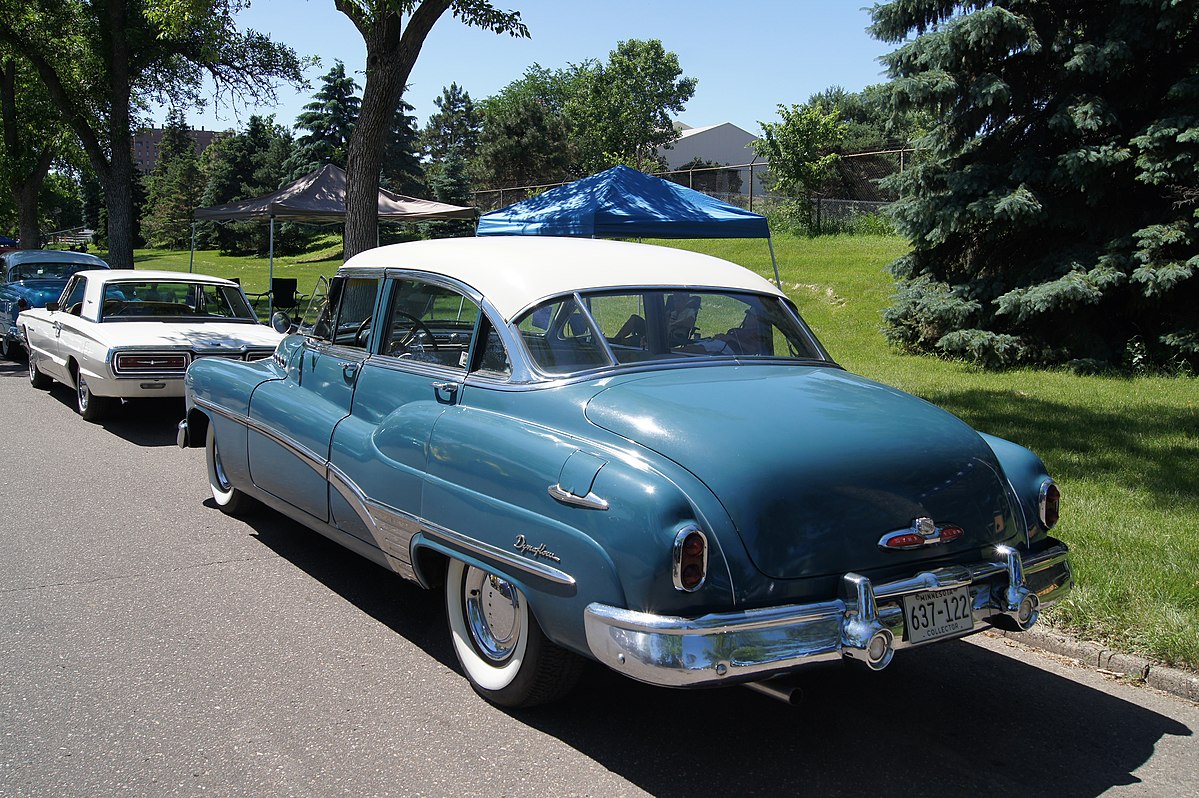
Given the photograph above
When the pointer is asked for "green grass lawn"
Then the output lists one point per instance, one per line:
(1124, 451)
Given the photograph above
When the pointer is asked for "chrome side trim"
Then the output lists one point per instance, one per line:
(590, 501)
(489, 552)
(394, 529)
(866, 622)
(310, 458)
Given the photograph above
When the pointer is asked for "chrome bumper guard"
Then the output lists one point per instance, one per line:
(866, 623)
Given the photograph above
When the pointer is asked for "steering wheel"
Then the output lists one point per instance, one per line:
(113, 307)
(404, 340)
(363, 333)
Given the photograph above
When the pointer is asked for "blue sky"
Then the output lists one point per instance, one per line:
(747, 57)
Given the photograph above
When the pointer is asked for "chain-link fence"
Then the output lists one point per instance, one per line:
(852, 198)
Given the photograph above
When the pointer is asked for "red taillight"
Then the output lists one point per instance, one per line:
(903, 541)
(690, 559)
(951, 533)
(1051, 503)
(149, 362)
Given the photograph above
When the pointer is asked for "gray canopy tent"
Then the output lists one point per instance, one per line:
(321, 197)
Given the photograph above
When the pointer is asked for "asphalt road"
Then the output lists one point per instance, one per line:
(151, 646)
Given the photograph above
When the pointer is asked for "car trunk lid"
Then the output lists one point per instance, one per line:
(815, 465)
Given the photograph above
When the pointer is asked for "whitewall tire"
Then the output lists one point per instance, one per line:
(507, 658)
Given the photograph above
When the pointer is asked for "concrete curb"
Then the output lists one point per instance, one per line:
(1177, 682)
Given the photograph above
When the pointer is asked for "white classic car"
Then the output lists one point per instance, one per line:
(117, 334)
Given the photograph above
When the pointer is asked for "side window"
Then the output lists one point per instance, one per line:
(354, 303)
(318, 309)
(560, 338)
(430, 324)
(72, 296)
(493, 360)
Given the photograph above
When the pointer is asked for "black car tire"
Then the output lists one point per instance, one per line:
(501, 648)
(37, 379)
(229, 499)
(91, 407)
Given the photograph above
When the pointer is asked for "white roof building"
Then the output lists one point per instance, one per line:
(723, 144)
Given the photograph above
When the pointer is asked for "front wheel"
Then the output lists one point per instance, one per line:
(229, 499)
(507, 658)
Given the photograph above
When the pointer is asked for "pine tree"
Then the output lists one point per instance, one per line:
(244, 165)
(402, 168)
(454, 125)
(452, 184)
(173, 188)
(329, 121)
(1055, 217)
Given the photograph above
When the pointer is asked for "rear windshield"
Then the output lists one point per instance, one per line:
(48, 270)
(593, 330)
(161, 299)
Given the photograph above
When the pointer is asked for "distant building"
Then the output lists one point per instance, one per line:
(147, 140)
(723, 144)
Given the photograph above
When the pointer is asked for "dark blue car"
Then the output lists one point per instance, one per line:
(29, 278)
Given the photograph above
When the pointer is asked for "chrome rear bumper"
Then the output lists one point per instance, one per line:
(865, 623)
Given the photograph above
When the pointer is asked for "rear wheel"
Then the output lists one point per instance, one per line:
(507, 658)
(229, 499)
(90, 406)
(9, 350)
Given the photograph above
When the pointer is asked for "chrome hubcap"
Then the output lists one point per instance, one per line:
(84, 393)
(492, 613)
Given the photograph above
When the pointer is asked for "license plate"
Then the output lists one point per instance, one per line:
(932, 614)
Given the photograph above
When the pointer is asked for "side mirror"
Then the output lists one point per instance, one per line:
(281, 322)
(51, 306)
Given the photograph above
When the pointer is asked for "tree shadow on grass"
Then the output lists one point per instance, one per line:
(1077, 443)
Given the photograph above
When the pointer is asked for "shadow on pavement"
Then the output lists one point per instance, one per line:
(949, 720)
(142, 422)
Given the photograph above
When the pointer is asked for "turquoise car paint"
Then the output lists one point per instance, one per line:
(1025, 473)
(813, 464)
(412, 443)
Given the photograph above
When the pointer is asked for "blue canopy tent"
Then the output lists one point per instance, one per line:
(624, 203)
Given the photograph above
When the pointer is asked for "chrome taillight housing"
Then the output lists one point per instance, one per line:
(1049, 506)
(689, 557)
(135, 362)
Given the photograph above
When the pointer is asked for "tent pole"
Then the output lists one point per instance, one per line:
(191, 258)
(775, 262)
(271, 264)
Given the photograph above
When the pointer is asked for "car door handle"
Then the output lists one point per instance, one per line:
(449, 389)
(349, 368)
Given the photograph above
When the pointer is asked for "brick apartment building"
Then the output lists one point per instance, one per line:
(146, 141)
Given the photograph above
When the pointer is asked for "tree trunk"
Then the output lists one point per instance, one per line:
(117, 179)
(391, 51)
(25, 195)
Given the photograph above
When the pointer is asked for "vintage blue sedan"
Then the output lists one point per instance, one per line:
(628, 453)
(29, 278)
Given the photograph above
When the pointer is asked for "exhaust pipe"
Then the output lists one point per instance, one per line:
(788, 694)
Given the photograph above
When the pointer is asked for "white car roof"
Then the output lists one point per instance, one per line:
(117, 275)
(515, 272)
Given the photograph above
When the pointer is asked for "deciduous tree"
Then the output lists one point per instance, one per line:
(34, 138)
(100, 60)
(394, 32)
